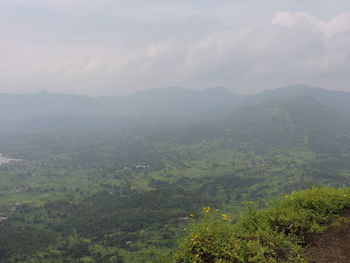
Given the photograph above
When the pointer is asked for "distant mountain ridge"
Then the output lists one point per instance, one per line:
(161, 102)
(43, 111)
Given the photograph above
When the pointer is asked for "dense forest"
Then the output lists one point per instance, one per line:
(125, 194)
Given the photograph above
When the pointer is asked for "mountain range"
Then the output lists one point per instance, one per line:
(168, 106)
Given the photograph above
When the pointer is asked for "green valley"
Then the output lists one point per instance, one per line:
(125, 194)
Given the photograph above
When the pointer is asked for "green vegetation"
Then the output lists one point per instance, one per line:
(275, 234)
(122, 195)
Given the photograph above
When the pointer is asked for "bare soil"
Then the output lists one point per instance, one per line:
(333, 246)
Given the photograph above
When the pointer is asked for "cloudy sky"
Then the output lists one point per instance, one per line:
(112, 47)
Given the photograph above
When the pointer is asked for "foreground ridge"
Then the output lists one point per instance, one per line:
(290, 230)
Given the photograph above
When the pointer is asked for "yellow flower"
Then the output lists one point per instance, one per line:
(226, 217)
(191, 215)
(206, 209)
(286, 196)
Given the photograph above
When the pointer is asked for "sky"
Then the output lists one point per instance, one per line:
(114, 47)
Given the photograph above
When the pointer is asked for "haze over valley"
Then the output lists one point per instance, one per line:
(111, 177)
(161, 131)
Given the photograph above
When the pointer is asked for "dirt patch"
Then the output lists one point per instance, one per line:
(333, 246)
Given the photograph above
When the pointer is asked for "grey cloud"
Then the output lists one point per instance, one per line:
(238, 44)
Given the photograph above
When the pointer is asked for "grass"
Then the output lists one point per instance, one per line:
(275, 234)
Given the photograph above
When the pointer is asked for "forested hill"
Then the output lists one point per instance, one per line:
(275, 122)
(284, 121)
(338, 100)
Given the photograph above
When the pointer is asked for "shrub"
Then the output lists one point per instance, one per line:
(272, 235)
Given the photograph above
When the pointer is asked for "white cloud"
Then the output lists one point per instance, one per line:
(156, 51)
(337, 25)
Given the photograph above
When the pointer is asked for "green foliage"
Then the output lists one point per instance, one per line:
(308, 211)
(117, 195)
(274, 234)
(209, 239)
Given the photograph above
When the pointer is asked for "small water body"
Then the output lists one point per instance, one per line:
(6, 160)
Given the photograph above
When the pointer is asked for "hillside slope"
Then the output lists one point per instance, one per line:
(279, 233)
